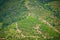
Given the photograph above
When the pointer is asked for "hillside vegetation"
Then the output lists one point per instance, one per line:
(30, 20)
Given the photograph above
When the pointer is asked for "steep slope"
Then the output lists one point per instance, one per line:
(30, 20)
(33, 30)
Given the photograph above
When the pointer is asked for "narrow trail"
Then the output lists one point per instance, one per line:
(49, 25)
(2, 38)
(33, 36)
(26, 4)
(19, 31)
(18, 28)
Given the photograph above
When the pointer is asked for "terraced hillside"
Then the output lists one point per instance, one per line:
(29, 20)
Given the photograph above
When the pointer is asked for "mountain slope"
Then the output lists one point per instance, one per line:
(30, 20)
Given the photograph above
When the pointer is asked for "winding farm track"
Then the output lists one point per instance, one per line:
(22, 35)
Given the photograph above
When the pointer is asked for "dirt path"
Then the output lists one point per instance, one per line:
(2, 38)
(19, 31)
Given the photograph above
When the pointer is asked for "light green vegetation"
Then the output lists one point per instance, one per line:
(27, 29)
